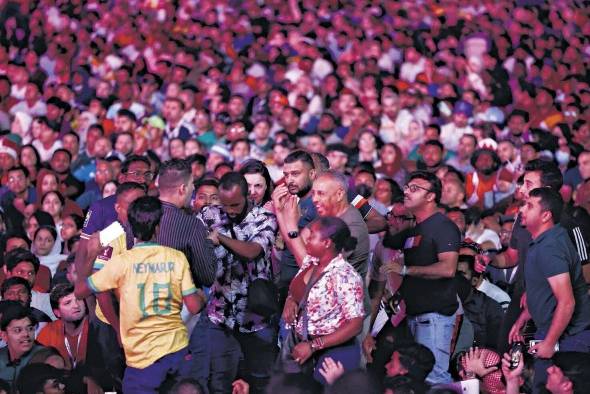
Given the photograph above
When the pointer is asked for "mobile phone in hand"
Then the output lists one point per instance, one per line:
(516, 354)
(534, 342)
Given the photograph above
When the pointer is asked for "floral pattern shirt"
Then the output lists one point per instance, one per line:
(228, 298)
(334, 299)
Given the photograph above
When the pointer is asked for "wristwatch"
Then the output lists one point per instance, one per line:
(404, 270)
(293, 234)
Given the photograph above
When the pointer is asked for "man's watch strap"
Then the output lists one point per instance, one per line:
(404, 270)
(293, 234)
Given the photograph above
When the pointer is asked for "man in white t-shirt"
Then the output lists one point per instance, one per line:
(454, 130)
(32, 103)
(48, 141)
(413, 65)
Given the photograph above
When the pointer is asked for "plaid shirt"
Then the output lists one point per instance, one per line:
(228, 298)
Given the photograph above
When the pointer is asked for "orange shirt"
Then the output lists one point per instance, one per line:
(476, 187)
(53, 335)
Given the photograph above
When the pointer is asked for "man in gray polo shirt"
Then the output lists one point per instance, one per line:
(557, 295)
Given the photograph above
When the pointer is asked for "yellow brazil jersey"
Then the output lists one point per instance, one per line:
(152, 281)
(115, 247)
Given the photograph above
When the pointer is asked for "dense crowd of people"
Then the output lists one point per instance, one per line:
(294, 196)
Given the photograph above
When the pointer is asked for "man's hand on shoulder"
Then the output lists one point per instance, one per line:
(214, 237)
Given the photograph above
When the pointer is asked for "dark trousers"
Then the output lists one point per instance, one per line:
(111, 352)
(149, 379)
(348, 354)
(221, 355)
(510, 317)
(579, 342)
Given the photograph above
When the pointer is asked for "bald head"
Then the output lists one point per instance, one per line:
(339, 179)
(329, 193)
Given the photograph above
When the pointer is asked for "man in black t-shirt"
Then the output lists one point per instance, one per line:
(431, 249)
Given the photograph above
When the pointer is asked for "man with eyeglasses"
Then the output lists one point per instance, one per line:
(17, 329)
(102, 213)
(106, 320)
(18, 191)
(431, 249)
(386, 321)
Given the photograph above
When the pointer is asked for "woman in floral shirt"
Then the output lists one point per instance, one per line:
(334, 313)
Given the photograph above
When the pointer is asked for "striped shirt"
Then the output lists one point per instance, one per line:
(184, 232)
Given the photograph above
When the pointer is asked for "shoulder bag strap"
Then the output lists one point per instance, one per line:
(303, 303)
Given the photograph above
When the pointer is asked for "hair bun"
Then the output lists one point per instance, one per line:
(350, 244)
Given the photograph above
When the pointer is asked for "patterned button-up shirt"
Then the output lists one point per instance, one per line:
(334, 299)
(228, 298)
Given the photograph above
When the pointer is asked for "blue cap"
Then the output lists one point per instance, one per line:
(463, 107)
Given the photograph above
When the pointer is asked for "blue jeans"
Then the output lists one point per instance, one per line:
(220, 355)
(149, 379)
(435, 331)
(579, 342)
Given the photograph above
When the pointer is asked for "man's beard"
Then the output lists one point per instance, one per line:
(487, 171)
(238, 218)
(304, 191)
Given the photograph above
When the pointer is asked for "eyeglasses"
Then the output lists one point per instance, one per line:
(413, 188)
(146, 175)
(390, 215)
(17, 330)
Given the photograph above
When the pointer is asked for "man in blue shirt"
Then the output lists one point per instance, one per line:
(557, 295)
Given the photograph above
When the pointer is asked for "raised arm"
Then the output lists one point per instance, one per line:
(287, 219)
(375, 222)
